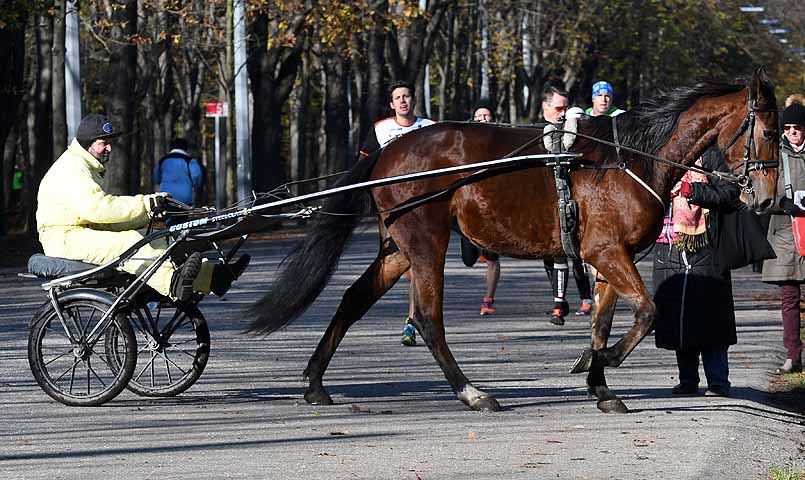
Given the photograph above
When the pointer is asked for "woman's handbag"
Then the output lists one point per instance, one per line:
(742, 239)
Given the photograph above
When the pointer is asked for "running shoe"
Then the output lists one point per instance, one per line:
(586, 308)
(488, 306)
(408, 335)
(560, 311)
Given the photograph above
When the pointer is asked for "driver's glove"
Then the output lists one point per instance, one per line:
(157, 202)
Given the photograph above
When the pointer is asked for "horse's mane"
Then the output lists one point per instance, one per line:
(649, 126)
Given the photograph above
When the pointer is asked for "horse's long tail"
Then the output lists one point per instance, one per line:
(308, 267)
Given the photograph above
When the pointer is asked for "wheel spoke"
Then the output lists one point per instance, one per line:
(67, 352)
(90, 369)
(145, 367)
(66, 371)
(72, 375)
(165, 356)
(58, 332)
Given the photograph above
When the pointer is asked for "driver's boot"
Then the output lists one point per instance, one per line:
(183, 277)
(224, 274)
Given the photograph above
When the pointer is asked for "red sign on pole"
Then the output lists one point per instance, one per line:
(216, 109)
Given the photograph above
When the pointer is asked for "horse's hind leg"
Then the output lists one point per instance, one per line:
(384, 272)
(428, 273)
(606, 299)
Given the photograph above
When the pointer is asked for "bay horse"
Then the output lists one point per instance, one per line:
(515, 214)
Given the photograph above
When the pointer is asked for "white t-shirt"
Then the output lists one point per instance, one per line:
(387, 130)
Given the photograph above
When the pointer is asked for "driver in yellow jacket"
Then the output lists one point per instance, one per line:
(78, 220)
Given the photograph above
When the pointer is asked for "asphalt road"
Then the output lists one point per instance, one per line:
(395, 416)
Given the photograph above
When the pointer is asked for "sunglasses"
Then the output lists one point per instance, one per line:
(559, 109)
(794, 127)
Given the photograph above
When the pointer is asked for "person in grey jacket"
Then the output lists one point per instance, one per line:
(788, 269)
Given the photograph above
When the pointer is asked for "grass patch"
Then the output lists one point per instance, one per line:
(777, 473)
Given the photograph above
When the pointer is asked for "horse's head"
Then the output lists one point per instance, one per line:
(751, 145)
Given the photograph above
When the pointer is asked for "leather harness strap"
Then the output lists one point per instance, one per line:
(568, 208)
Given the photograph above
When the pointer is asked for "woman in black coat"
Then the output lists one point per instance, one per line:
(693, 287)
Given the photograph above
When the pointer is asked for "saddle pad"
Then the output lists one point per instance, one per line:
(54, 267)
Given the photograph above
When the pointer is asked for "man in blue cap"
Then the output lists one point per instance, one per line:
(602, 101)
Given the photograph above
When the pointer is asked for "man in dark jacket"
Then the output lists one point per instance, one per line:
(693, 290)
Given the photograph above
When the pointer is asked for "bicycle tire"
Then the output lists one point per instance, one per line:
(50, 353)
(173, 360)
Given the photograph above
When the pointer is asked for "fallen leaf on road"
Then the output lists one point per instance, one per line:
(359, 409)
(472, 435)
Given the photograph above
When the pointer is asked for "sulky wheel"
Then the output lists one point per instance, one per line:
(174, 345)
(78, 371)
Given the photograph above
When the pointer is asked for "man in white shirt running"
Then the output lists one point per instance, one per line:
(402, 99)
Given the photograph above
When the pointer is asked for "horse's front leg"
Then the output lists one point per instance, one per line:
(605, 299)
(617, 267)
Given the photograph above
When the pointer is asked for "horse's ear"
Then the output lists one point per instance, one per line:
(762, 89)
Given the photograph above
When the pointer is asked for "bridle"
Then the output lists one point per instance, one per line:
(750, 165)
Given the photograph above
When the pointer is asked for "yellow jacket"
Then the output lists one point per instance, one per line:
(71, 195)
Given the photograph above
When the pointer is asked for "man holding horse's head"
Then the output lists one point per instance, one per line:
(78, 220)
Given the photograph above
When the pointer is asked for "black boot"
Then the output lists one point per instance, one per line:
(225, 274)
(183, 277)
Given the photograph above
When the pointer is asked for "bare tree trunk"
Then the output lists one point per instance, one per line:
(409, 50)
(375, 103)
(299, 125)
(43, 141)
(12, 70)
(59, 100)
(336, 112)
(272, 69)
(124, 176)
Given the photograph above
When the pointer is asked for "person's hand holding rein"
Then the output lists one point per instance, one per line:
(157, 202)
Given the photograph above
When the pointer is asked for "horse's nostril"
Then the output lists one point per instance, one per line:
(764, 205)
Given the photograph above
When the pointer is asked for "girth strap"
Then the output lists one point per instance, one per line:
(568, 208)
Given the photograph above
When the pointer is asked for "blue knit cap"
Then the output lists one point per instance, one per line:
(602, 87)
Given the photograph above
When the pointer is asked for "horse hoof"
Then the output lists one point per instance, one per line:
(315, 396)
(612, 406)
(584, 362)
(486, 404)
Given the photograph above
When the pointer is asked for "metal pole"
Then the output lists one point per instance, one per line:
(485, 52)
(423, 5)
(242, 138)
(219, 177)
(526, 58)
(72, 70)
